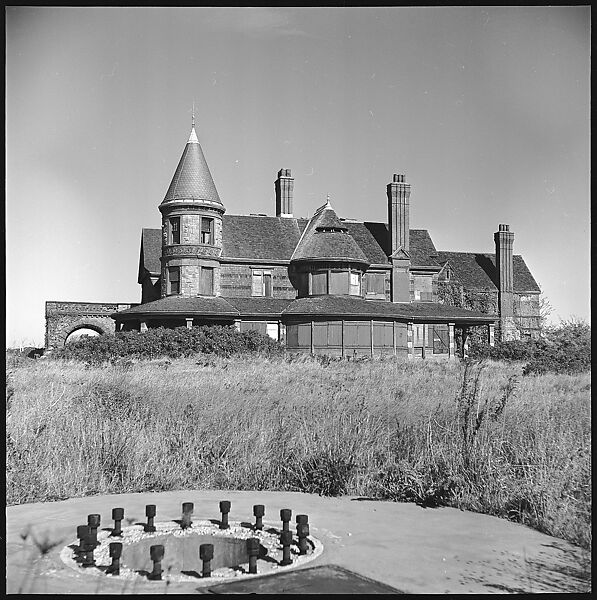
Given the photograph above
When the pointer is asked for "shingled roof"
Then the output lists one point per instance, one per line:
(179, 305)
(329, 306)
(325, 238)
(321, 306)
(192, 181)
(151, 250)
(259, 237)
(479, 272)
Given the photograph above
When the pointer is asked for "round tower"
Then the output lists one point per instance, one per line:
(327, 260)
(191, 228)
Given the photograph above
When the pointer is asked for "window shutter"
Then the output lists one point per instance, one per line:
(257, 283)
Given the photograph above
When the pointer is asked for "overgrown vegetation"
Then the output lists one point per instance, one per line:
(171, 343)
(565, 348)
(473, 435)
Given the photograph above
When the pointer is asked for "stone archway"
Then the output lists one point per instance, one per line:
(101, 325)
(81, 332)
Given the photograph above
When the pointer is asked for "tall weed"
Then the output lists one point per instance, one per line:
(477, 436)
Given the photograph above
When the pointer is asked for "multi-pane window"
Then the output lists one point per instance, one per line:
(338, 282)
(207, 230)
(175, 230)
(262, 283)
(174, 280)
(319, 283)
(423, 289)
(206, 284)
(355, 284)
(376, 283)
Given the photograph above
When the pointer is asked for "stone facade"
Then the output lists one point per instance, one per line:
(64, 318)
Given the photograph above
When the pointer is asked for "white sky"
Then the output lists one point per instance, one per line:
(485, 109)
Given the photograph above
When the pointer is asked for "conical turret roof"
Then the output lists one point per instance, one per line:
(327, 239)
(192, 181)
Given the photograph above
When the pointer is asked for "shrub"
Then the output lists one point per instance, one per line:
(564, 349)
(172, 343)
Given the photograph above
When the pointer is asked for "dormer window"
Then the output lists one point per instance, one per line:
(207, 229)
(175, 230)
(262, 283)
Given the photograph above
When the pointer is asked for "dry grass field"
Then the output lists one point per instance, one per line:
(481, 438)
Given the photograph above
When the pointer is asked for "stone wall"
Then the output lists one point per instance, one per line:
(62, 318)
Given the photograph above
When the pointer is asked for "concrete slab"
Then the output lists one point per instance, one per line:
(413, 549)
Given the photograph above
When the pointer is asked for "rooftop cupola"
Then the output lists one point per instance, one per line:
(192, 182)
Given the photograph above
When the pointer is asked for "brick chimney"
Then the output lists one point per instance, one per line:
(398, 192)
(398, 212)
(504, 241)
(284, 187)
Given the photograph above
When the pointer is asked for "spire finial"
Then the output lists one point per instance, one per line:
(193, 118)
(328, 199)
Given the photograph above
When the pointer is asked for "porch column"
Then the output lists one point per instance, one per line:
(237, 324)
(465, 342)
(491, 334)
(143, 326)
(394, 336)
(281, 333)
(371, 334)
(424, 348)
(189, 323)
(409, 340)
(312, 338)
(451, 353)
(343, 349)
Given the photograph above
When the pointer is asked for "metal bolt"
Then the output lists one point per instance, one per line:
(302, 531)
(89, 542)
(253, 551)
(157, 554)
(83, 532)
(115, 554)
(150, 512)
(117, 515)
(187, 511)
(206, 553)
(258, 512)
(286, 540)
(301, 519)
(285, 515)
(224, 509)
(94, 522)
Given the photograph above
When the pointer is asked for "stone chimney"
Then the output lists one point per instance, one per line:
(398, 213)
(398, 192)
(284, 187)
(504, 241)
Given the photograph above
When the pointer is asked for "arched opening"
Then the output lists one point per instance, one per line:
(79, 333)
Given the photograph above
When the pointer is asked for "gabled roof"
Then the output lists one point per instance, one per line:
(477, 271)
(325, 238)
(275, 238)
(258, 237)
(192, 181)
(374, 240)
